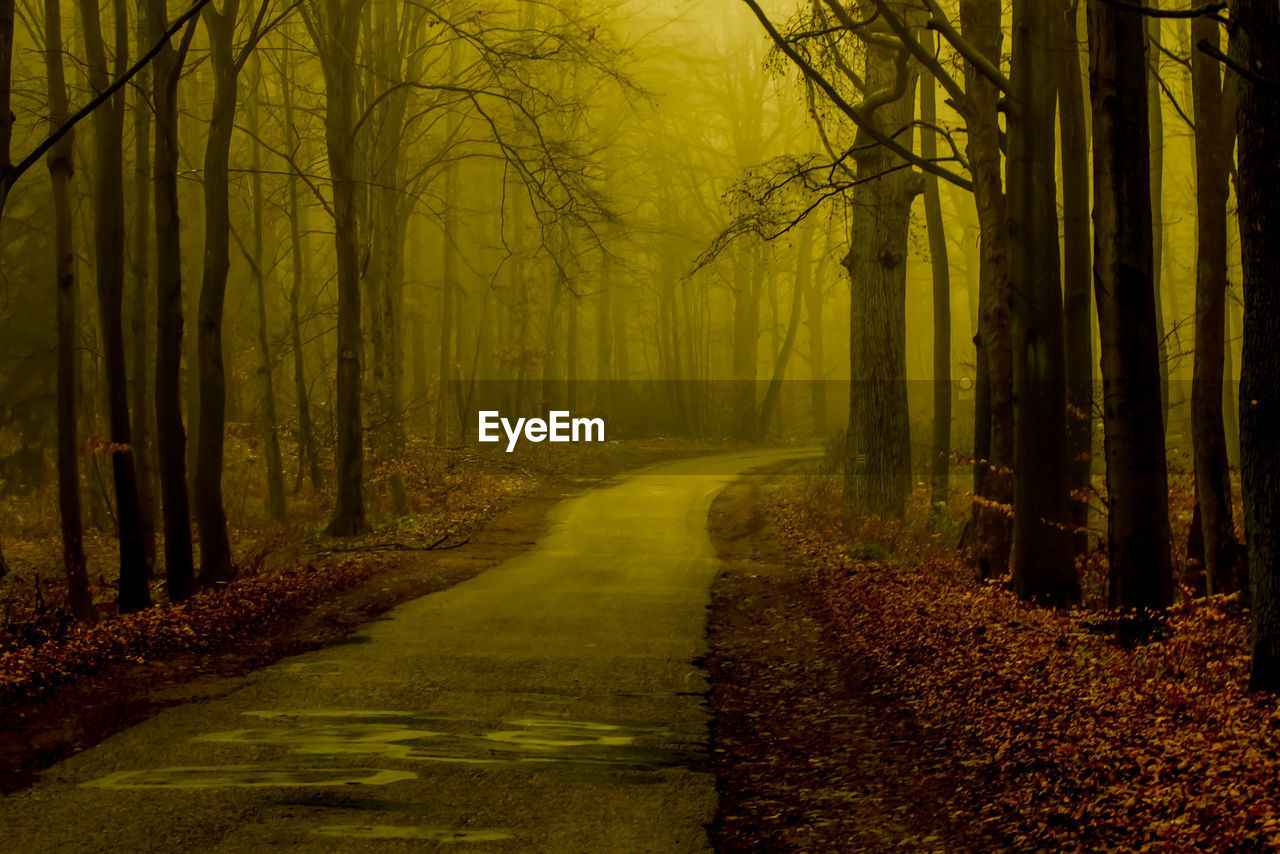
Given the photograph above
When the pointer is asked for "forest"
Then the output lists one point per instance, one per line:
(981, 293)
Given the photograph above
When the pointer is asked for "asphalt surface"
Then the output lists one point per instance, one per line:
(554, 703)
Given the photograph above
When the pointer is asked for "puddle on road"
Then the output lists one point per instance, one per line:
(391, 831)
(247, 775)
(342, 714)
(358, 739)
(523, 740)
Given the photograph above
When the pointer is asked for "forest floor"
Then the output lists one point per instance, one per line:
(65, 687)
(870, 694)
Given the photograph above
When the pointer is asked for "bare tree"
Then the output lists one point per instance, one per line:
(61, 169)
(108, 202)
(1212, 483)
(1137, 482)
(170, 432)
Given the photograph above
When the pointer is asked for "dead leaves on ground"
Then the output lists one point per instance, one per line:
(1067, 739)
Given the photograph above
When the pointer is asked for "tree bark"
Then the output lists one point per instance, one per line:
(1155, 125)
(1043, 569)
(1212, 481)
(993, 416)
(61, 169)
(109, 239)
(140, 327)
(1254, 36)
(336, 33)
(270, 423)
(170, 433)
(1077, 277)
(939, 480)
(1124, 280)
(878, 445)
(211, 517)
(308, 454)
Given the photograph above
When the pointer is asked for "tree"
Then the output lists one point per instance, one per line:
(108, 222)
(170, 433)
(226, 62)
(993, 416)
(941, 465)
(335, 28)
(878, 463)
(267, 394)
(1254, 34)
(1137, 483)
(1212, 482)
(1077, 277)
(138, 321)
(1043, 567)
(61, 169)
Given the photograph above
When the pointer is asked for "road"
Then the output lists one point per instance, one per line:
(553, 704)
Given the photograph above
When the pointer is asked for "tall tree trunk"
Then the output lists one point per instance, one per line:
(1255, 34)
(140, 326)
(1077, 281)
(817, 355)
(1155, 125)
(336, 33)
(448, 289)
(109, 239)
(939, 480)
(604, 337)
(800, 285)
(61, 168)
(1043, 568)
(170, 434)
(747, 280)
(1133, 431)
(270, 423)
(993, 415)
(878, 464)
(1213, 484)
(308, 454)
(211, 517)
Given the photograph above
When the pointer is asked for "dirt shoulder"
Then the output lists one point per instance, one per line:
(810, 751)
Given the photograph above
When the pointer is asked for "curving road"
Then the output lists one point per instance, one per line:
(553, 704)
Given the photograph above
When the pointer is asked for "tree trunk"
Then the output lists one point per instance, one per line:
(804, 263)
(336, 34)
(993, 415)
(448, 288)
(211, 517)
(1212, 481)
(939, 480)
(817, 355)
(747, 280)
(308, 455)
(878, 444)
(1133, 430)
(61, 168)
(108, 199)
(270, 423)
(1253, 46)
(1155, 125)
(170, 434)
(1077, 277)
(140, 327)
(1043, 568)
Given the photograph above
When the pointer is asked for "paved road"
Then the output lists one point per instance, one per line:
(550, 704)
